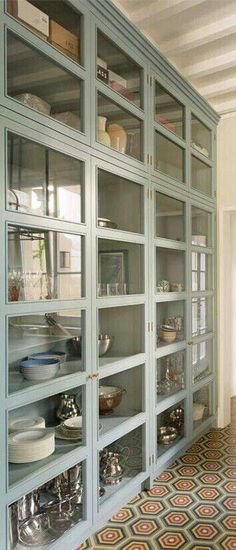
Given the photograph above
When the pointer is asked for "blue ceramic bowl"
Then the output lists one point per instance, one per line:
(58, 355)
(38, 362)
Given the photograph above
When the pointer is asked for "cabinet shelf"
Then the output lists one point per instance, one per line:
(119, 429)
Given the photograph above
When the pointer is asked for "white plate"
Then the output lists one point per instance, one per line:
(25, 423)
(73, 423)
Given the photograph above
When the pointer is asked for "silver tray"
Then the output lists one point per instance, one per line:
(36, 531)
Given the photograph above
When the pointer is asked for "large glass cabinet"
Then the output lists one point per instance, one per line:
(107, 239)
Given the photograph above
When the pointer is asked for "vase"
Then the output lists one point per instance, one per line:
(102, 136)
(118, 137)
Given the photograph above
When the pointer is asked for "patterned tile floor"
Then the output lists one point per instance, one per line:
(192, 505)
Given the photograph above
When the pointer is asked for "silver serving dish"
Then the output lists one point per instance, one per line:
(167, 434)
(37, 531)
(105, 222)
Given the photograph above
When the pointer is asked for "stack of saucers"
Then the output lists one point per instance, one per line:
(30, 445)
(38, 370)
(70, 429)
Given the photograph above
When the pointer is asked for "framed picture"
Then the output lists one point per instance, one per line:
(113, 272)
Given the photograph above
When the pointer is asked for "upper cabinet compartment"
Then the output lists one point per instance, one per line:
(44, 182)
(40, 84)
(200, 137)
(168, 111)
(119, 71)
(57, 22)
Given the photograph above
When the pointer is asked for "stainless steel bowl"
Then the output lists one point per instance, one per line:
(105, 222)
(167, 434)
(104, 343)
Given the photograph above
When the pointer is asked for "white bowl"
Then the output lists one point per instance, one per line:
(38, 374)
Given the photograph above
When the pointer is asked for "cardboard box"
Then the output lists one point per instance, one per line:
(35, 19)
(114, 77)
(64, 40)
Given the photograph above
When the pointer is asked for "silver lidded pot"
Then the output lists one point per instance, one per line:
(68, 407)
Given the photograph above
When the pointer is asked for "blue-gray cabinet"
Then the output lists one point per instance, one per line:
(107, 239)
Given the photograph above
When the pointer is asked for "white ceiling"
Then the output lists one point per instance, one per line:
(198, 37)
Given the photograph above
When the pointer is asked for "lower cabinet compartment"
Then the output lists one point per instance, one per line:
(170, 427)
(40, 517)
(120, 462)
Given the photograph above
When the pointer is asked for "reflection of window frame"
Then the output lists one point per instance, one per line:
(200, 362)
(197, 258)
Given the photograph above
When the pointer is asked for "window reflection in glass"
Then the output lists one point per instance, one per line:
(44, 182)
(201, 271)
(201, 315)
(201, 227)
(201, 360)
(201, 177)
(35, 271)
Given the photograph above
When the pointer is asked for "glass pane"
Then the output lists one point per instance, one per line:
(201, 271)
(201, 177)
(44, 182)
(170, 218)
(50, 413)
(169, 157)
(170, 427)
(119, 129)
(118, 70)
(170, 322)
(51, 336)
(21, 514)
(201, 137)
(120, 397)
(201, 315)
(170, 374)
(43, 265)
(202, 357)
(38, 83)
(170, 270)
(54, 21)
(201, 227)
(201, 405)
(120, 203)
(168, 111)
(120, 333)
(120, 268)
(127, 455)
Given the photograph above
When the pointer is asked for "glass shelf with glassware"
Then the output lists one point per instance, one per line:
(170, 374)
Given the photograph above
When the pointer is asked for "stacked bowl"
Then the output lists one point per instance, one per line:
(39, 370)
(30, 445)
(71, 429)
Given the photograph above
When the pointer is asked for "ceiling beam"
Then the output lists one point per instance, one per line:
(201, 36)
(219, 88)
(210, 66)
(153, 12)
(226, 106)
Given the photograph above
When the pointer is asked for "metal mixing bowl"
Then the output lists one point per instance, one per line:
(167, 434)
(109, 398)
(104, 343)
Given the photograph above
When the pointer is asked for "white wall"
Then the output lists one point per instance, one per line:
(226, 310)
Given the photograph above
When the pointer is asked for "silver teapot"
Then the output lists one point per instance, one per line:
(112, 472)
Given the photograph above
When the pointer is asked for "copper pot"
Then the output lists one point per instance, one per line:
(109, 398)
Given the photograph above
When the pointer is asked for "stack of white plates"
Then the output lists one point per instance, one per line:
(39, 369)
(26, 423)
(31, 445)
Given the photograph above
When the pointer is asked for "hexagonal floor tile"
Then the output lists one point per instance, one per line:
(181, 501)
(210, 479)
(136, 545)
(190, 459)
(171, 539)
(230, 487)
(195, 448)
(144, 527)
(151, 507)
(184, 484)
(213, 453)
(208, 493)
(177, 519)
(228, 543)
(159, 491)
(206, 511)
(229, 521)
(187, 471)
(231, 460)
(230, 472)
(165, 476)
(124, 515)
(110, 536)
(211, 466)
(229, 503)
(204, 531)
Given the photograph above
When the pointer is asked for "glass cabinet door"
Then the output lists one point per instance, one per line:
(170, 270)
(169, 157)
(202, 315)
(118, 71)
(201, 176)
(201, 271)
(38, 83)
(202, 360)
(202, 405)
(56, 22)
(170, 217)
(119, 129)
(170, 374)
(168, 111)
(44, 182)
(44, 265)
(170, 318)
(120, 268)
(120, 203)
(170, 427)
(201, 137)
(201, 221)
